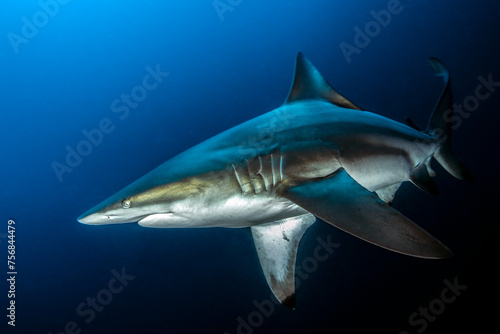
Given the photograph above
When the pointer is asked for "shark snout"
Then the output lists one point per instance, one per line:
(100, 215)
(94, 219)
(104, 217)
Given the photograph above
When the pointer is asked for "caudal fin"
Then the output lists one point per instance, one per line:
(440, 126)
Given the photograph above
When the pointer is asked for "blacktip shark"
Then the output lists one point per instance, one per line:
(319, 155)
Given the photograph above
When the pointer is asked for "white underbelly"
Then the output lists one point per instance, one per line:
(243, 211)
(236, 211)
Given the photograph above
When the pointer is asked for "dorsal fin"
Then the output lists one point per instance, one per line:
(308, 84)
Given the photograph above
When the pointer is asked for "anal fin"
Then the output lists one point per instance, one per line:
(276, 245)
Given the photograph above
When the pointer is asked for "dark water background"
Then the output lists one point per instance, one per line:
(62, 76)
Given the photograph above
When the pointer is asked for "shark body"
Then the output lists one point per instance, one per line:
(318, 155)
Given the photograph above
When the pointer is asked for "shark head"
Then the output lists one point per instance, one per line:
(115, 210)
(148, 201)
(131, 204)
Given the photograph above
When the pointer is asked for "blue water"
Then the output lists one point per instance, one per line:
(67, 68)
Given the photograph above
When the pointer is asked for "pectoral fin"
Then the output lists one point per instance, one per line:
(276, 245)
(342, 202)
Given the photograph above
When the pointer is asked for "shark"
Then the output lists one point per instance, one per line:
(319, 155)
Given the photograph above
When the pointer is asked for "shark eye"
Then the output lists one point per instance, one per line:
(126, 203)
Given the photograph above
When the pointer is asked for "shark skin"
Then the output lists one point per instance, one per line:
(318, 155)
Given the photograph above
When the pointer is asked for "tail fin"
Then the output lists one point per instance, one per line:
(439, 126)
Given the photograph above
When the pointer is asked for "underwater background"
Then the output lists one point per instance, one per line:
(79, 121)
